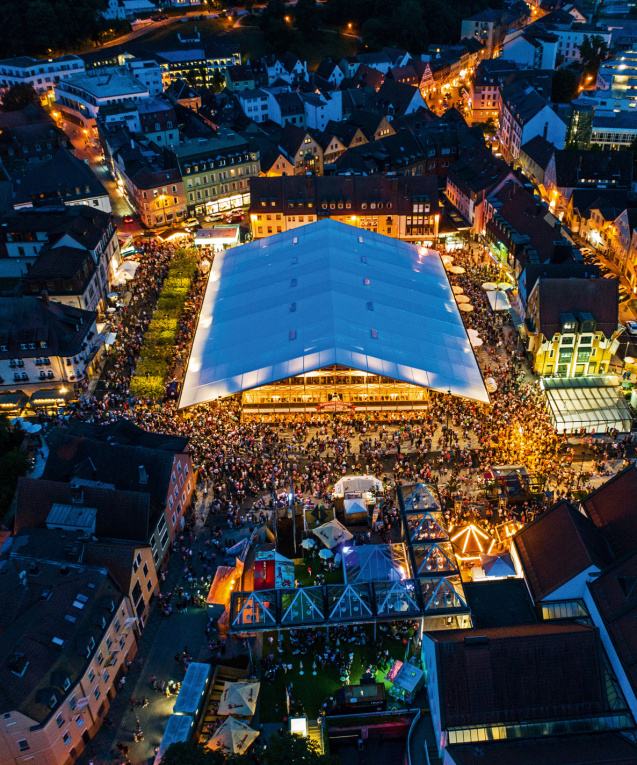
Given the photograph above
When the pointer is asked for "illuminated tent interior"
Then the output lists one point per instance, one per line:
(328, 312)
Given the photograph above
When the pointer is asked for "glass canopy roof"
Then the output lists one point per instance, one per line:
(323, 294)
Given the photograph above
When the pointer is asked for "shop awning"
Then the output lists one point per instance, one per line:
(593, 403)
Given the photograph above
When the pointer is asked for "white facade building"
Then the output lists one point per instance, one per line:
(43, 74)
(254, 104)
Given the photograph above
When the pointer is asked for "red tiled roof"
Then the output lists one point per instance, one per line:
(558, 546)
(513, 674)
(613, 509)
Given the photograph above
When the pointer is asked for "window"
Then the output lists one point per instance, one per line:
(100, 658)
(149, 585)
(59, 720)
(105, 676)
(66, 738)
(117, 625)
(109, 642)
(73, 702)
(96, 692)
(91, 675)
(145, 569)
(23, 745)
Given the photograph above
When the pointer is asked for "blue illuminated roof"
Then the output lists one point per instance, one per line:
(329, 293)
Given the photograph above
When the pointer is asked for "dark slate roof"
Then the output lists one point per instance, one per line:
(291, 138)
(126, 515)
(180, 89)
(398, 94)
(65, 178)
(32, 616)
(615, 595)
(580, 168)
(566, 270)
(523, 103)
(519, 674)
(499, 603)
(599, 297)
(585, 200)
(29, 320)
(586, 749)
(126, 433)
(344, 131)
(289, 103)
(61, 262)
(86, 225)
(613, 509)
(558, 546)
(72, 456)
(539, 150)
(326, 68)
(478, 170)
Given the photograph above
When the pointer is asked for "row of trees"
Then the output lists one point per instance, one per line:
(156, 353)
(281, 750)
(408, 24)
(50, 27)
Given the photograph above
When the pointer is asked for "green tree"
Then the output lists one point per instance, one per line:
(187, 753)
(18, 96)
(307, 19)
(564, 86)
(293, 749)
(489, 127)
(592, 51)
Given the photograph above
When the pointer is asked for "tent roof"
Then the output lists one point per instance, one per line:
(332, 533)
(239, 698)
(498, 300)
(323, 294)
(192, 688)
(375, 563)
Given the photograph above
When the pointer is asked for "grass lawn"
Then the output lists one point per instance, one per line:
(311, 690)
(301, 573)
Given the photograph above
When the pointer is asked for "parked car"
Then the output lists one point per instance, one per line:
(631, 327)
(129, 219)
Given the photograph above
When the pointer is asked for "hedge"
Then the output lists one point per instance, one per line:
(156, 353)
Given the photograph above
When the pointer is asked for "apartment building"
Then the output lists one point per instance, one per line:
(43, 74)
(65, 642)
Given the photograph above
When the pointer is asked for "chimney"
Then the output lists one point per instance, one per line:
(143, 475)
(45, 297)
(77, 495)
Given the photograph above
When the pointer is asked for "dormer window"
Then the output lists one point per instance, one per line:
(23, 346)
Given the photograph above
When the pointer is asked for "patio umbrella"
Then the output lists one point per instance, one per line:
(629, 360)
(505, 286)
(476, 342)
(239, 699)
(308, 544)
(457, 290)
(465, 307)
(456, 270)
(325, 554)
(233, 737)
(447, 259)
(332, 533)
(462, 299)
(489, 286)
(498, 565)
(492, 385)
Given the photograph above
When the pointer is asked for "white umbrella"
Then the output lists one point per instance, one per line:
(476, 342)
(457, 290)
(447, 259)
(462, 299)
(492, 385)
(456, 270)
(325, 554)
(308, 544)
(629, 360)
(233, 737)
(332, 533)
(505, 286)
(489, 286)
(239, 699)
(465, 307)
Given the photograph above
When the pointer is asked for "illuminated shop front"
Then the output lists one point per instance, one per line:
(334, 386)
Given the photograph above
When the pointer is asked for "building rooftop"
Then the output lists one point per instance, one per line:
(500, 603)
(335, 295)
(599, 297)
(110, 84)
(557, 546)
(613, 509)
(588, 749)
(480, 674)
(72, 457)
(46, 628)
(126, 515)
